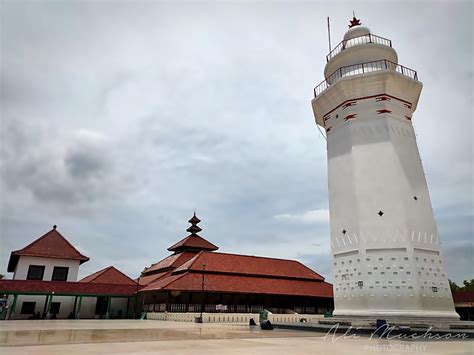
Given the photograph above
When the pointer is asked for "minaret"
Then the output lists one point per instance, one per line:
(384, 241)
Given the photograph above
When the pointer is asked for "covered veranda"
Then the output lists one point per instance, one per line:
(48, 291)
(186, 301)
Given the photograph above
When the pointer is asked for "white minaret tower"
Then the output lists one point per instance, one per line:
(385, 246)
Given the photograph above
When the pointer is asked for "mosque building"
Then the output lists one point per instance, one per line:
(194, 278)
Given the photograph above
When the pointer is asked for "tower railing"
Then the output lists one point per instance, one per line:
(363, 68)
(350, 42)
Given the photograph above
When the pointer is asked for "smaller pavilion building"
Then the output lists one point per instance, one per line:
(45, 285)
(197, 278)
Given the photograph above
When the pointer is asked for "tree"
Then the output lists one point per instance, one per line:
(454, 287)
(468, 285)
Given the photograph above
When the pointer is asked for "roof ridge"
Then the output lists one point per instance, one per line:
(67, 241)
(96, 274)
(178, 276)
(299, 262)
(124, 274)
(190, 261)
(256, 256)
(182, 243)
(194, 258)
(33, 242)
(44, 236)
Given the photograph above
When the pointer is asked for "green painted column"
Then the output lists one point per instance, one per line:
(11, 313)
(74, 306)
(109, 301)
(78, 312)
(128, 308)
(43, 315)
(48, 314)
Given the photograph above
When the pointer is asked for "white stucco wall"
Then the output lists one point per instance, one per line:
(66, 305)
(389, 265)
(24, 262)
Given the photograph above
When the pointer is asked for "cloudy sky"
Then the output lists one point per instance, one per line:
(118, 119)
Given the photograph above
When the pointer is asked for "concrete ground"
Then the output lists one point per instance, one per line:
(159, 337)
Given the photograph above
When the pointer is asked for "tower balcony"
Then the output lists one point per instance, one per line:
(364, 68)
(350, 42)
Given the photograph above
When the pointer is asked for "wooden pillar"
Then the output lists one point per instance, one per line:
(11, 312)
(203, 303)
(167, 309)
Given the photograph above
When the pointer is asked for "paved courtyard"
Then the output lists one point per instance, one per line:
(159, 337)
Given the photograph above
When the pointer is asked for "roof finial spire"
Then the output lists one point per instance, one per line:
(354, 21)
(194, 229)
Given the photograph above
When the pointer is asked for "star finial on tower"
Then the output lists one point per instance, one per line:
(354, 21)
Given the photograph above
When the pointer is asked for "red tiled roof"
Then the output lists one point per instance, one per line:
(147, 279)
(173, 260)
(65, 288)
(162, 283)
(463, 296)
(109, 275)
(248, 265)
(242, 284)
(50, 245)
(193, 241)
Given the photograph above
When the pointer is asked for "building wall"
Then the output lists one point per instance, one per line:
(21, 270)
(118, 305)
(233, 317)
(88, 308)
(389, 264)
(66, 305)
